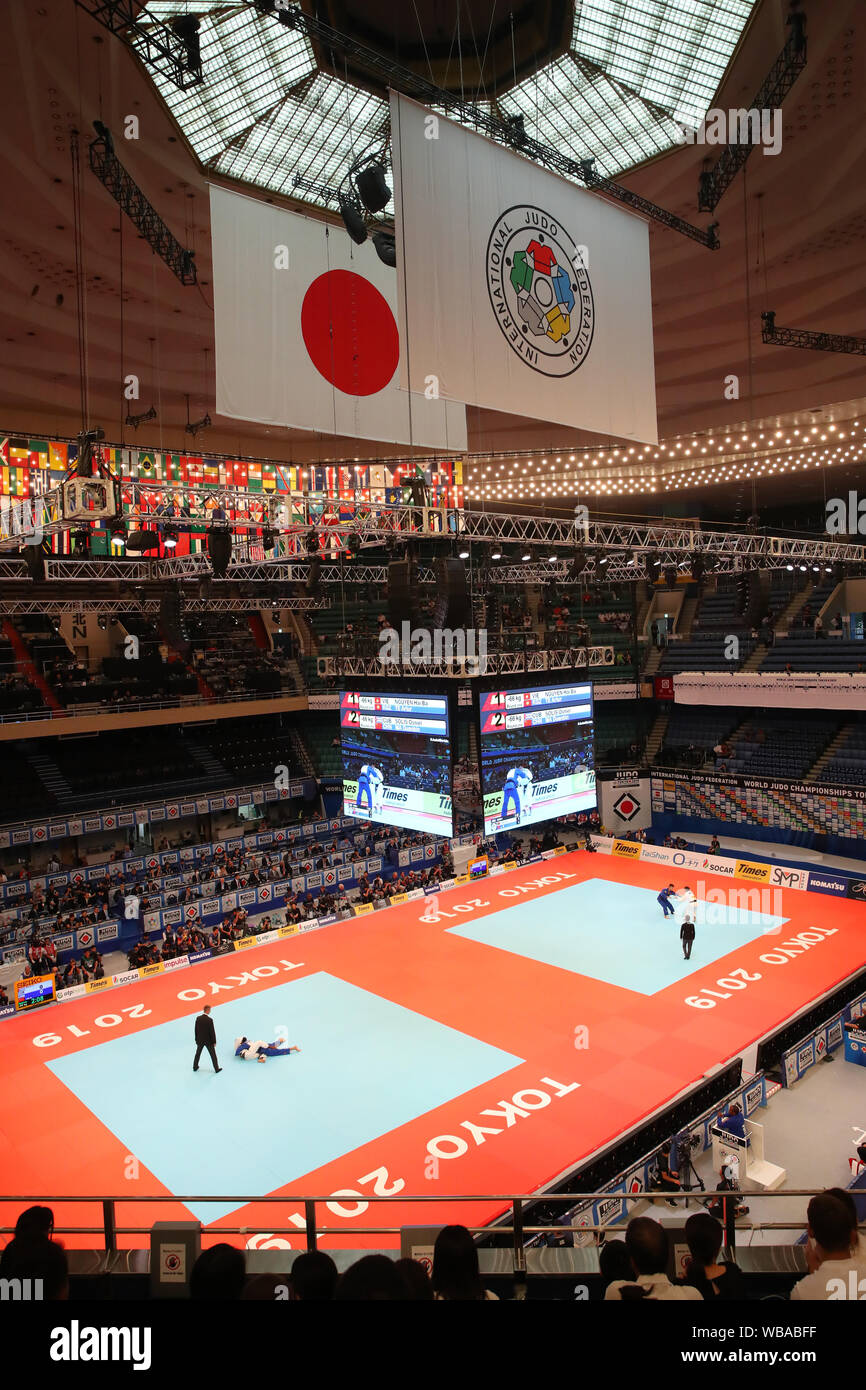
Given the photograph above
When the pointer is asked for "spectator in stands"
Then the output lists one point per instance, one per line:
(647, 1245)
(715, 845)
(313, 1277)
(4, 998)
(417, 1280)
(858, 1241)
(703, 1271)
(828, 1253)
(35, 1256)
(818, 626)
(614, 1262)
(218, 1274)
(456, 1276)
(373, 1279)
(91, 964)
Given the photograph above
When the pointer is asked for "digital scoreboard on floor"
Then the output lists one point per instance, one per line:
(537, 754)
(396, 752)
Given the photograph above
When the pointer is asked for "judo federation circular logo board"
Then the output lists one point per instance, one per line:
(540, 291)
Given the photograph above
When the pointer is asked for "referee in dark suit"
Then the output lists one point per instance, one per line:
(687, 936)
(205, 1036)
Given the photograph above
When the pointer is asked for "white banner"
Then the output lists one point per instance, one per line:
(517, 290)
(775, 689)
(306, 330)
(625, 805)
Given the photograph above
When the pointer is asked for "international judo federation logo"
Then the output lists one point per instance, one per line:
(626, 806)
(540, 291)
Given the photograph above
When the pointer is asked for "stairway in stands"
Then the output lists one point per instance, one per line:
(302, 754)
(755, 657)
(687, 615)
(26, 666)
(207, 761)
(814, 773)
(656, 737)
(651, 665)
(50, 775)
(800, 599)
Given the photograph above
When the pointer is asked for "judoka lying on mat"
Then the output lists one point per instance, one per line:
(258, 1051)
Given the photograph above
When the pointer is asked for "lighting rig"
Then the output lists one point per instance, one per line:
(806, 338)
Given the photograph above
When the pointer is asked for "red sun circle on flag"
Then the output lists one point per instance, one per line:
(350, 333)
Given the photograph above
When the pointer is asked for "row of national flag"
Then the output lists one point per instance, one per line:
(31, 467)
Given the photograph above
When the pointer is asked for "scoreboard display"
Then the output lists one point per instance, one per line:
(396, 752)
(39, 989)
(537, 756)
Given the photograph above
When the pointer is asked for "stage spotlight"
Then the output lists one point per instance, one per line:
(697, 568)
(169, 537)
(186, 28)
(463, 552)
(353, 220)
(386, 248)
(603, 559)
(269, 538)
(652, 566)
(138, 542)
(578, 564)
(496, 553)
(526, 555)
(312, 584)
(219, 548)
(372, 188)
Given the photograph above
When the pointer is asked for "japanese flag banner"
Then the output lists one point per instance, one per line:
(306, 331)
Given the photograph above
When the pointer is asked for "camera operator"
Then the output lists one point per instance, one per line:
(732, 1121)
(666, 1178)
(718, 1206)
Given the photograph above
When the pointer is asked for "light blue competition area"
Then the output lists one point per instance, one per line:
(366, 1066)
(615, 932)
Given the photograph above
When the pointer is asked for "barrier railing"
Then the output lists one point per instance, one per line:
(519, 1231)
(88, 708)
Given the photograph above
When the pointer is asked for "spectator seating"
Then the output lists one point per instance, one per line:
(803, 651)
(781, 745)
(706, 651)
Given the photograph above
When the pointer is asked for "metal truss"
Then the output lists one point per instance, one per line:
(413, 84)
(143, 215)
(113, 607)
(300, 517)
(154, 42)
(493, 664)
(713, 182)
(806, 338)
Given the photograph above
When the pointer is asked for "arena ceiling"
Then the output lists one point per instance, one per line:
(792, 227)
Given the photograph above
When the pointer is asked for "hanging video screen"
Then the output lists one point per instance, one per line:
(537, 755)
(396, 753)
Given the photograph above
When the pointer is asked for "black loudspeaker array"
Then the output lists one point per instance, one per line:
(171, 627)
(402, 592)
(451, 586)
